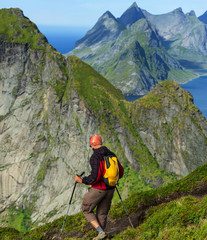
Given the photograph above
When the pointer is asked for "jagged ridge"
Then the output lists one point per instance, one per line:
(139, 60)
(184, 36)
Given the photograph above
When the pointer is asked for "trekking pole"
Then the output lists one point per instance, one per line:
(70, 203)
(124, 208)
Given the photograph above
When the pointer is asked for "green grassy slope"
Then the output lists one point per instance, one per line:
(177, 211)
(21, 29)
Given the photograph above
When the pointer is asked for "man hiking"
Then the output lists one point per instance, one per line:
(100, 194)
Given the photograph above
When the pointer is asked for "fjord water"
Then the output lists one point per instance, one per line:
(198, 88)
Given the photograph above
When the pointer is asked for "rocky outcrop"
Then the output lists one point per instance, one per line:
(167, 119)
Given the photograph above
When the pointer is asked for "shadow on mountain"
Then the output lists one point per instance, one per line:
(191, 65)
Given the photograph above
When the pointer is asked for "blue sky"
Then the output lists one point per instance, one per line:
(86, 12)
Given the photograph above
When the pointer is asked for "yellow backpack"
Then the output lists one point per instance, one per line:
(111, 176)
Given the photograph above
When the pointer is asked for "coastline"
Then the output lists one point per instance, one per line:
(198, 89)
(202, 73)
(199, 74)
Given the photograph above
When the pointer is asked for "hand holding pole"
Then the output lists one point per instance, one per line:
(70, 201)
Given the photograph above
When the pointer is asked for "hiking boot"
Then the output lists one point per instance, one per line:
(101, 235)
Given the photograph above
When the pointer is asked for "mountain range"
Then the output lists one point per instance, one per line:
(49, 108)
(138, 50)
(184, 35)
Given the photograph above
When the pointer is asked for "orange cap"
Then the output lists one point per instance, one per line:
(96, 140)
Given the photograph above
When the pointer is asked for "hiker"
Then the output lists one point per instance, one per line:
(100, 194)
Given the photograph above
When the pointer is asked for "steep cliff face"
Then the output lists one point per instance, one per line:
(50, 106)
(106, 29)
(37, 150)
(172, 128)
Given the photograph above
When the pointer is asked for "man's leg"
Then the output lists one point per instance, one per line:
(90, 201)
(103, 208)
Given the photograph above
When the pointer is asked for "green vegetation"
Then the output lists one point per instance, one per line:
(170, 212)
(19, 219)
(165, 90)
(98, 94)
(21, 29)
(184, 218)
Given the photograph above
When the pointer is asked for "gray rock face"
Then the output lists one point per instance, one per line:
(171, 122)
(133, 14)
(184, 34)
(106, 29)
(39, 138)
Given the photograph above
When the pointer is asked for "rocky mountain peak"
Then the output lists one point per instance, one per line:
(178, 11)
(17, 11)
(107, 14)
(23, 31)
(106, 28)
(131, 15)
(191, 13)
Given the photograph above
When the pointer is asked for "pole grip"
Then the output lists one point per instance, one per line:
(81, 174)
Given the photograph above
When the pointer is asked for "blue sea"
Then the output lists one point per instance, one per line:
(63, 38)
(198, 88)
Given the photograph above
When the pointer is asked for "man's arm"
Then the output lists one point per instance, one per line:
(94, 175)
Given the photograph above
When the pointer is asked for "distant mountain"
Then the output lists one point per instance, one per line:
(106, 29)
(185, 37)
(128, 51)
(203, 18)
